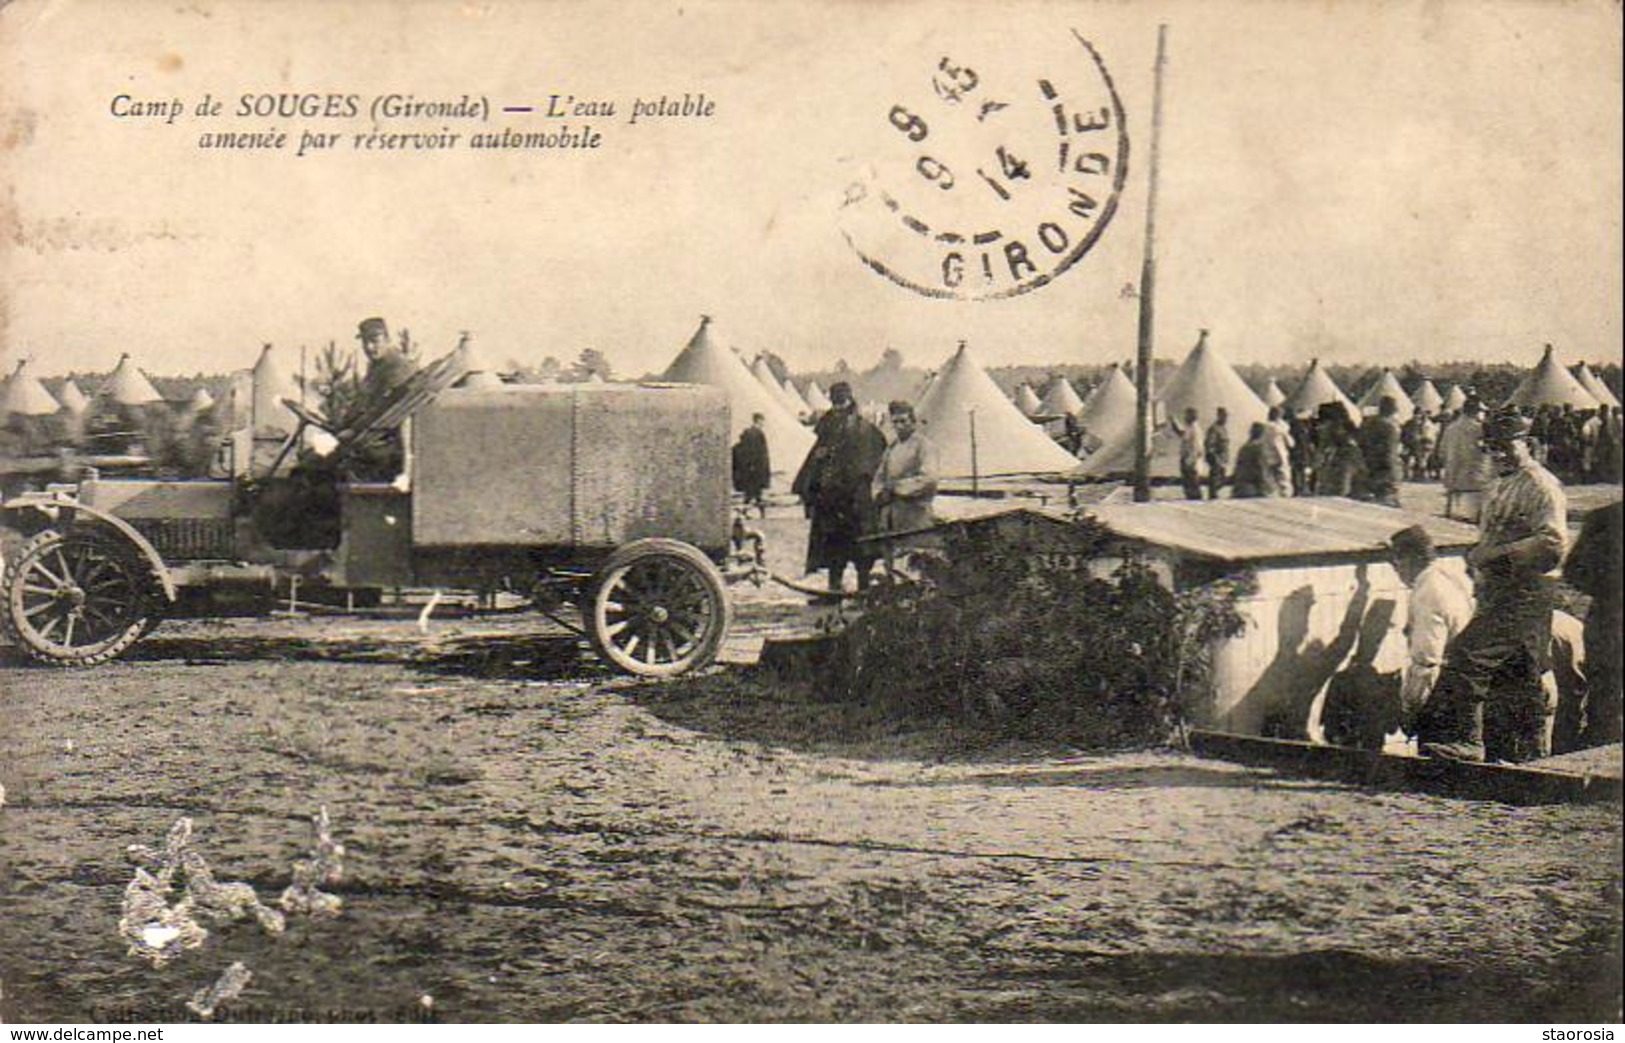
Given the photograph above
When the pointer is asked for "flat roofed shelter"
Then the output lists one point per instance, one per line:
(1310, 615)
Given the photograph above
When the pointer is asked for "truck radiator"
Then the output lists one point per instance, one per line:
(184, 538)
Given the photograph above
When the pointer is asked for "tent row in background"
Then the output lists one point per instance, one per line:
(978, 430)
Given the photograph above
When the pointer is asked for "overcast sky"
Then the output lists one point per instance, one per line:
(1369, 182)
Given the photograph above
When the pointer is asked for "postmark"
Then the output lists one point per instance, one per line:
(989, 178)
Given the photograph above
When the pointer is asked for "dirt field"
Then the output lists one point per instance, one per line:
(530, 839)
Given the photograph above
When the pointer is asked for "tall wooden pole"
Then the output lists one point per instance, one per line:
(1148, 278)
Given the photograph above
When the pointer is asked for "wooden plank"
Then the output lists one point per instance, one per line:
(1503, 783)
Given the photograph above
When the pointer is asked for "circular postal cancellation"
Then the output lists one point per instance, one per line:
(991, 169)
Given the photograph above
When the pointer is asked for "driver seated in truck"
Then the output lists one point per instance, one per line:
(388, 366)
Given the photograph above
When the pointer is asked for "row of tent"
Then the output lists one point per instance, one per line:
(978, 430)
(21, 392)
(1548, 384)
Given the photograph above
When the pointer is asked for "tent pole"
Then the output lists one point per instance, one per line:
(975, 481)
(1148, 270)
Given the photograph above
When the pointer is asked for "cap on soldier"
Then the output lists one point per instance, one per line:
(372, 328)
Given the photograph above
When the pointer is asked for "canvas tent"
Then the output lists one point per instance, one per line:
(127, 385)
(1108, 412)
(1315, 390)
(1204, 382)
(763, 372)
(816, 397)
(1549, 384)
(1061, 398)
(480, 372)
(1593, 384)
(704, 361)
(963, 403)
(794, 395)
(1426, 397)
(1455, 398)
(1273, 395)
(1026, 400)
(72, 399)
(200, 400)
(22, 393)
(1387, 386)
(272, 384)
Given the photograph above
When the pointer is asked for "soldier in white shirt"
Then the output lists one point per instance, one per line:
(1441, 603)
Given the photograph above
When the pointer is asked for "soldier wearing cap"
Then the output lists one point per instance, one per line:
(387, 368)
(1490, 700)
(1439, 608)
(834, 485)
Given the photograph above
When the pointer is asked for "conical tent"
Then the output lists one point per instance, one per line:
(23, 393)
(1592, 383)
(816, 397)
(481, 373)
(1026, 400)
(200, 400)
(1205, 382)
(790, 391)
(1273, 395)
(1316, 389)
(763, 372)
(1551, 385)
(72, 399)
(127, 385)
(1061, 398)
(1108, 412)
(1387, 386)
(1454, 399)
(1426, 397)
(272, 384)
(703, 361)
(963, 403)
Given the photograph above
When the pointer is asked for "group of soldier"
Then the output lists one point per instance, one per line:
(1496, 672)
(855, 487)
(1333, 454)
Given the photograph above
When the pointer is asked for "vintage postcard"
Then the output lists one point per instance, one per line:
(813, 511)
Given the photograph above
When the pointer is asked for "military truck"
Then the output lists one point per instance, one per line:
(612, 499)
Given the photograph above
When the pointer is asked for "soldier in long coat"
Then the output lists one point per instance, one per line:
(834, 487)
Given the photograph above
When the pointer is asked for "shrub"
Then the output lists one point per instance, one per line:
(1102, 654)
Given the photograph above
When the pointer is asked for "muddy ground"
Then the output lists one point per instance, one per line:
(531, 839)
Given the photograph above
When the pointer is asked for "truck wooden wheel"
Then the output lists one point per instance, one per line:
(75, 599)
(658, 608)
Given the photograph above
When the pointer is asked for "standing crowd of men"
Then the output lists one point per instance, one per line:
(1335, 453)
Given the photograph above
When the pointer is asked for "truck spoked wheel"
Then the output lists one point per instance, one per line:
(75, 600)
(658, 609)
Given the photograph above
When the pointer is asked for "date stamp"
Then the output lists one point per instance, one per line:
(988, 181)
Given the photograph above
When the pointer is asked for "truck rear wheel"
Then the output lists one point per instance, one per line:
(658, 608)
(76, 599)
